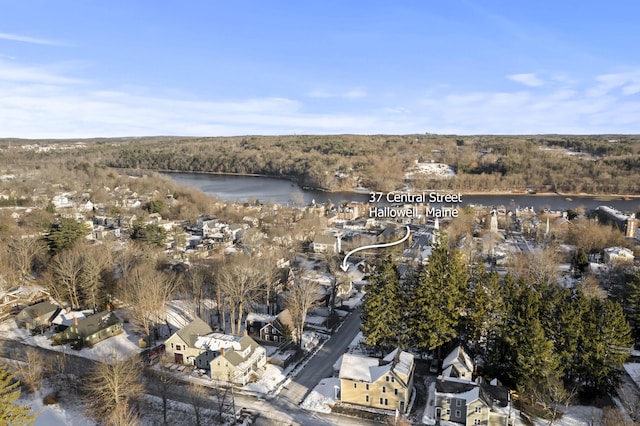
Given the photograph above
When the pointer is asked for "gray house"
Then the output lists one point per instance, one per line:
(38, 316)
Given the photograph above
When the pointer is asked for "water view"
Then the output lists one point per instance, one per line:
(283, 191)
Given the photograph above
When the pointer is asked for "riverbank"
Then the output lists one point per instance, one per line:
(361, 190)
(240, 188)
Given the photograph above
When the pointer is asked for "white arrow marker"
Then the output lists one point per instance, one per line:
(344, 265)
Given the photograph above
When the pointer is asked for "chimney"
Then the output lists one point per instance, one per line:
(245, 332)
(68, 309)
(109, 307)
(222, 351)
(75, 321)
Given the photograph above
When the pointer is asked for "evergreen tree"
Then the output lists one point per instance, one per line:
(605, 344)
(580, 262)
(64, 233)
(151, 234)
(381, 313)
(633, 302)
(11, 413)
(498, 351)
(438, 297)
(531, 357)
(484, 307)
(566, 333)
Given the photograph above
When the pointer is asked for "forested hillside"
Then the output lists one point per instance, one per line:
(564, 164)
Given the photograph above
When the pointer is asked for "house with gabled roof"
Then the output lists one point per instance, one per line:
(236, 359)
(280, 329)
(377, 383)
(90, 330)
(469, 402)
(38, 316)
(458, 364)
(326, 244)
(181, 346)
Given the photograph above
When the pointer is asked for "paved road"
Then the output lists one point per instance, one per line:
(320, 365)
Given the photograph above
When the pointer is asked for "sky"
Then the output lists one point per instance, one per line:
(77, 69)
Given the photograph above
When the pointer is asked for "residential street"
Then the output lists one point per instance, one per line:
(272, 411)
(321, 364)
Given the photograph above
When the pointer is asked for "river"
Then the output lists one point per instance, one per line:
(286, 192)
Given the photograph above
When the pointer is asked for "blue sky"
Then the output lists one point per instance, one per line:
(135, 68)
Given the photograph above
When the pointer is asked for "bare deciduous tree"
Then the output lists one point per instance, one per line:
(197, 399)
(22, 252)
(95, 259)
(148, 291)
(66, 268)
(33, 370)
(239, 281)
(112, 387)
(301, 296)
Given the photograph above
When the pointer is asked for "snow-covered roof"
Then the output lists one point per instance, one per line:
(255, 316)
(458, 356)
(66, 318)
(217, 341)
(358, 367)
(401, 363)
(367, 369)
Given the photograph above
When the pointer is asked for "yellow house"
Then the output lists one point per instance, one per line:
(378, 383)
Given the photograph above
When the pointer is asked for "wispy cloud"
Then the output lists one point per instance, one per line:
(628, 82)
(11, 71)
(349, 94)
(528, 79)
(26, 39)
(43, 103)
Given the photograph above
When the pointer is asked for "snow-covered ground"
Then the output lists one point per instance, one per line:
(60, 414)
(322, 397)
(123, 345)
(633, 369)
(432, 170)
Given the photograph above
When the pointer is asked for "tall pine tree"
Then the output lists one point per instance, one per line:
(438, 297)
(381, 313)
(11, 413)
(531, 353)
(605, 344)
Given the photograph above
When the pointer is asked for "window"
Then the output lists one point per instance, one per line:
(386, 401)
(393, 379)
(478, 409)
(366, 398)
(458, 413)
(448, 412)
(177, 347)
(384, 389)
(381, 401)
(458, 403)
(477, 422)
(355, 385)
(172, 346)
(366, 386)
(395, 391)
(447, 401)
(386, 378)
